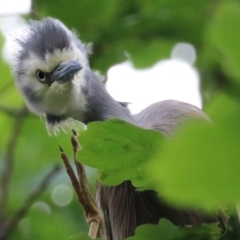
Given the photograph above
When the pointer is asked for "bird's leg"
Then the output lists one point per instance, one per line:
(93, 213)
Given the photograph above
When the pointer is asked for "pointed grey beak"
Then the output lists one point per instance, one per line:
(65, 71)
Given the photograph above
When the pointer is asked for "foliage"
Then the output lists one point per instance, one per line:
(202, 161)
(208, 159)
(119, 152)
(168, 231)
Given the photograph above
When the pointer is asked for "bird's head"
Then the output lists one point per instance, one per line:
(49, 66)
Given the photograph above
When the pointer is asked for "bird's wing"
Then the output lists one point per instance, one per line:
(167, 116)
(124, 207)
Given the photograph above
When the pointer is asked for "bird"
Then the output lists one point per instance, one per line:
(51, 70)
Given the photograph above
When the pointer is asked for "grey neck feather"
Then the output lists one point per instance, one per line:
(100, 105)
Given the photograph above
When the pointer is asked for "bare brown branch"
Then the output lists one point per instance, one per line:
(75, 142)
(9, 161)
(70, 172)
(10, 224)
(13, 112)
(93, 213)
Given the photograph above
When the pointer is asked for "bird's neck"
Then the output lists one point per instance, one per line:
(100, 106)
(87, 101)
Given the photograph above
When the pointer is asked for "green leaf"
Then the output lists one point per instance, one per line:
(165, 230)
(200, 167)
(8, 92)
(146, 30)
(223, 34)
(119, 150)
(152, 51)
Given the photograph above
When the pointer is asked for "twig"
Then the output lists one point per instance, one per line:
(93, 213)
(13, 112)
(9, 161)
(9, 225)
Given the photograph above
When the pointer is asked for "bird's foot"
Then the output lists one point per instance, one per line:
(93, 213)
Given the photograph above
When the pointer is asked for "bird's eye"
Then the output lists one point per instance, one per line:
(41, 76)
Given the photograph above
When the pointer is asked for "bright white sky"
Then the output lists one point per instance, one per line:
(174, 78)
(14, 6)
(169, 79)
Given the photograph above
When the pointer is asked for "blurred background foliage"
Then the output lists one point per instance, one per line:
(141, 31)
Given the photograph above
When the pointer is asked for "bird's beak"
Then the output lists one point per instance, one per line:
(65, 71)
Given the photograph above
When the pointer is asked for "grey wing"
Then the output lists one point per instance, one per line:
(167, 116)
(124, 207)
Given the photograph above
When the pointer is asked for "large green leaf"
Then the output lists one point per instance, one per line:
(165, 230)
(223, 34)
(152, 52)
(200, 167)
(119, 150)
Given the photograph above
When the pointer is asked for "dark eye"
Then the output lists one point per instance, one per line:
(41, 76)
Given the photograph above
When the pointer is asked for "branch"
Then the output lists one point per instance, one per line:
(9, 161)
(13, 112)
(9, 225)
(93, 213)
